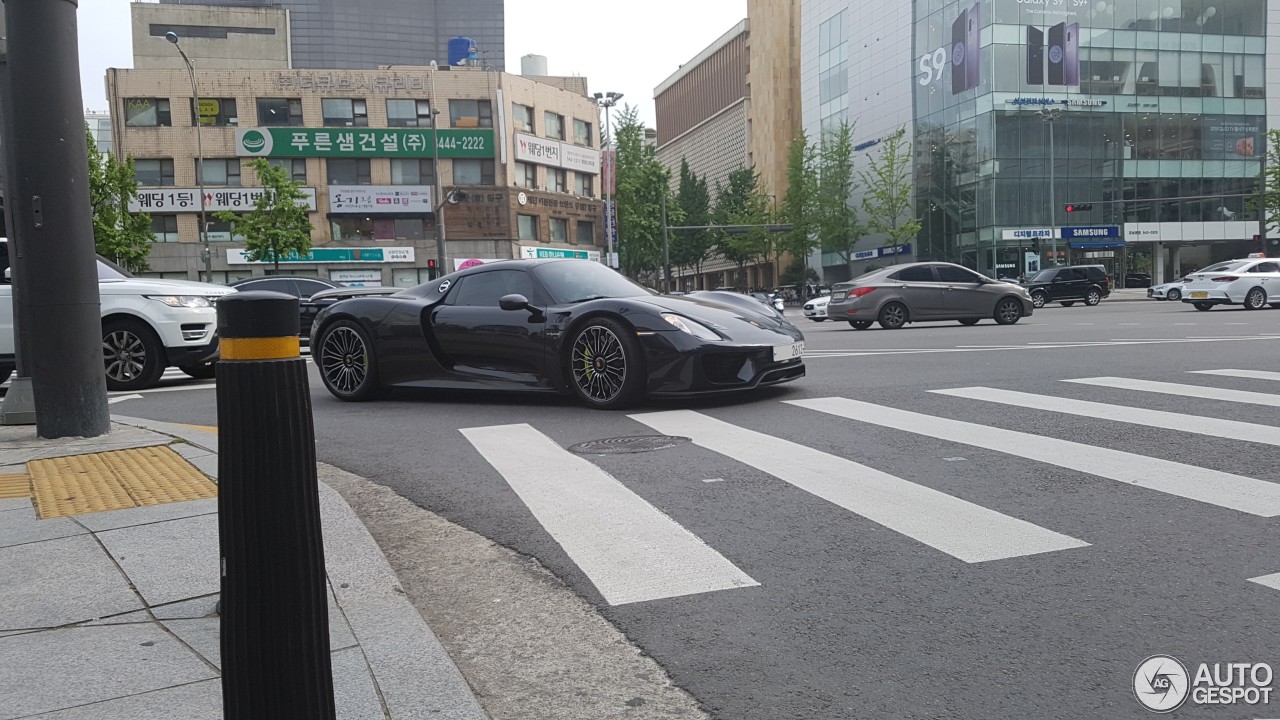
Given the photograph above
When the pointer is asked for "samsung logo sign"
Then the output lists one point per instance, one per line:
(865, 145)
(1044, 101)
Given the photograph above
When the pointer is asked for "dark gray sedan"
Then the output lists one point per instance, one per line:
(926, 292)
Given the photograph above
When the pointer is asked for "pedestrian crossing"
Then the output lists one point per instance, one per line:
(631, 551)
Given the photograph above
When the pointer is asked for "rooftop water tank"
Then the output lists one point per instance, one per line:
(533, 65)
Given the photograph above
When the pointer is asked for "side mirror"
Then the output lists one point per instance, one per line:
(513, 302)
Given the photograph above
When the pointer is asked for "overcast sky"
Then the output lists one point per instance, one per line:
(626, 47)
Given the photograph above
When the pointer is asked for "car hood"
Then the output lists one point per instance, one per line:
(157, 286)
(738, 323)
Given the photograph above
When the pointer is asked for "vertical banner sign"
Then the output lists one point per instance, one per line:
(611, 224)
(609, 170)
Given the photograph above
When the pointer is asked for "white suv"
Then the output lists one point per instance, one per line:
(1253, 283)
(148, 324)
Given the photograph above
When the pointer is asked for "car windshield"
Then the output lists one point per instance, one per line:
(1043, 276)
(1229, 266)
(571, 281)
(108, 270)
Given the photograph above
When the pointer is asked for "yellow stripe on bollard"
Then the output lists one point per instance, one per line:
(272, 348)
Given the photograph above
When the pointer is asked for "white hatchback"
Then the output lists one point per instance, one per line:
(1253, 283)
(816, 309)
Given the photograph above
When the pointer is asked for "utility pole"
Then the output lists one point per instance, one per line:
(48, 202)
(666, 247)
(1049, 116)
(438, 200)
(205, 250)
(607, 100)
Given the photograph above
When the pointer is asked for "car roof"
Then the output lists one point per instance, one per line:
(260, 278)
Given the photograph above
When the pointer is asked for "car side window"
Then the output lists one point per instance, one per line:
(307, 288)
(280, 285)
(1266, 267)
(486, 288)
(954, 274)
(1072, 274)
(919, 273)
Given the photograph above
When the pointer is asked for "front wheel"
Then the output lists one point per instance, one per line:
(1008, 311)
(1174, 295)
(1202, 306)
(893, 316)
(1093, 298)
(200, 372)
(1038, 300)
(347, 365)
(132, 354)
(970, 321)
(860, 324)
(1256, 299)
(606, 365)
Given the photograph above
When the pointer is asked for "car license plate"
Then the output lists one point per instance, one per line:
(1198, 295)
(788, 352)
(836, 297)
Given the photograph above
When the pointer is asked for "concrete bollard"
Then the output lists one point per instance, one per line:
(275, 619)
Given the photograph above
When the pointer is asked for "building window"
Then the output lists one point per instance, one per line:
(526, 175)
(559, 230)
(470, 113)
(583, 184)
(220, 231)
(344, 112)
(217, 112)
(472, 172)
(553, 123)
(586, 233)
(147, 112)
(279, 112)
(581, 132)
(348, 171)
(219, 171)
(412, 171)
(164, 228)
(408, 113)
(522, 117)
(351, 229)
(556, 181)
(154, 172)
(295, 168)
(528, 226)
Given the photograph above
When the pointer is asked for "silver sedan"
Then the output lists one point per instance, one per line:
(1167, 291)
(925, 292)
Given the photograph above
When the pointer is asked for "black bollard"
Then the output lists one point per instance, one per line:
(275, 619)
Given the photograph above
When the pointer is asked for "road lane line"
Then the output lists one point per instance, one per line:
(1195, 391)
(1213, 427)
(1272, 581)
(121, 398)
(851, 352)
(176, 388)
(630, 550)
(1236, 492)
(1252, 374)
(959, 528)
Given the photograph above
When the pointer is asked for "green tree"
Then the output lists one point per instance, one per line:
(692, 248)
(836, 220)
(887, 199)
(641, 185)
(799, 205)
(277, 226)
(1271, 187)
(741, 202)
(118, 234)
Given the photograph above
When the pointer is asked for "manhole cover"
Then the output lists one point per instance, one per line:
(621, 445)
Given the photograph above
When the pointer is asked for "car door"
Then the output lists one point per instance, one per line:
(918, 286)
(1267, 276)
(963, 293)
(1068, 284)
(480, 337)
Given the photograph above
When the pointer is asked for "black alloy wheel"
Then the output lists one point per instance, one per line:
(346, 362)
(860, 324)
(893, 316)
(606, 365)
(1008, 311)
(132, 354)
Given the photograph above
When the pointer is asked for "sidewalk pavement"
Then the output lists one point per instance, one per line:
(110, 614)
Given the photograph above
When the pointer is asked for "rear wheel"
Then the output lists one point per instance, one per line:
(1203, 306)
(860, 324)
(1256, 299)
(132, 354)
(970, 321)
(344, 354)
(1174, 295)
(1038, 299)
(1093, 297)
(893, 316)
(1068, 303)
(1008, 311)
(606, 365)
(200, 372)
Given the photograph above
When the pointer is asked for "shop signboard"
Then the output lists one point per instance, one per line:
(554, 153)
(332, 255)
(364, 142)
(380, 199)
(176, 200)
(357, 278)
(529, 252)
(1094, 232)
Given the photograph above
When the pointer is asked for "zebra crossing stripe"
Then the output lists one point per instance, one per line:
(1213, 427)
(629, 549)
(956, 527)
(1235, 492)
(1195, 391)
(1251, 374)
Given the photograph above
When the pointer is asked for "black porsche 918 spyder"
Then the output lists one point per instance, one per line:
(552, 326)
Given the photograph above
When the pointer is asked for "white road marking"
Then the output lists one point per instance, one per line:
(711, 480)
(1213, 427)
(122, 398)
(630, 550)
(1086, 323)
(959, 528)
(1252, 374)
(1236, 492)
(1272, 581)
(989, 348)
(1195, 391)
(174, 388)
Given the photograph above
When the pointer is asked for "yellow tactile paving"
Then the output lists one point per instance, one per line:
(15, 486)
(114, 481)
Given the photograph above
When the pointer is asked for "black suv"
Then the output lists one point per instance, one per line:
(1068, 285)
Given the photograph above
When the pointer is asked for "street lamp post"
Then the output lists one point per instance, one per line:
(1049, 115)
(195, 114)
(437, 200)
(607, 100)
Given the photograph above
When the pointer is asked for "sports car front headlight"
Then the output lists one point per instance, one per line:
(692, 327)
(183, 301)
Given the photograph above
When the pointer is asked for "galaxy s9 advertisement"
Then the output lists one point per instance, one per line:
(1053, 55)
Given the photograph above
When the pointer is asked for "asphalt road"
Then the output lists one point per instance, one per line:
(893, 552)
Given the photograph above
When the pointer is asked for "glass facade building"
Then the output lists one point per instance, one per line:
(1151, 114)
